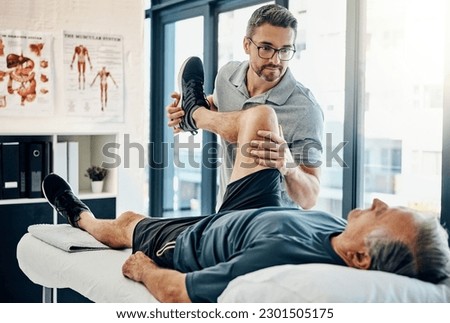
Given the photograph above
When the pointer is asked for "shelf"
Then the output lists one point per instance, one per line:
(90, 153)
(22, 201)
(89, 150)
(91, 196)
(81, 195)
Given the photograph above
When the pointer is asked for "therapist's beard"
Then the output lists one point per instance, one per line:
(270, 75)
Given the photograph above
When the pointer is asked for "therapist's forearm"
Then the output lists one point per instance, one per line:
(303, 185)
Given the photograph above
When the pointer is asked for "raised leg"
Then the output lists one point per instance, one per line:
(239, 127)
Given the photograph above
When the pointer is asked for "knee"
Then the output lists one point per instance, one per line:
(262, 116)
(263, 112)
(128, 217)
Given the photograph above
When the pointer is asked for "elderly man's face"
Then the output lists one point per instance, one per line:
(398, 223)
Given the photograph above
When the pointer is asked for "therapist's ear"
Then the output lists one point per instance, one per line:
(246, 44)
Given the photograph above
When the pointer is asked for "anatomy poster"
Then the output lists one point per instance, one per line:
(26, 73)
(94, 80)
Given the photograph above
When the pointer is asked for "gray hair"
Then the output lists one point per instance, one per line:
(427, 260)
(274, 15)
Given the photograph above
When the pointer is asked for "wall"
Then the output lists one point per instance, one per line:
(116, 17)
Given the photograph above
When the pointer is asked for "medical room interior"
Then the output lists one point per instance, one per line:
(84, 86)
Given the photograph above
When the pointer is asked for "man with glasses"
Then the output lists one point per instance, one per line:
(265, 79)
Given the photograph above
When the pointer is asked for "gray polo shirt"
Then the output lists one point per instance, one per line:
(298, 113)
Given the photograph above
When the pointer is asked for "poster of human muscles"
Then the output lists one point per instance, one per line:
(93, 72)
(26, 73)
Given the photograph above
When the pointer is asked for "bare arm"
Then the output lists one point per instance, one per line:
(88, 58)
(73, 57)
(303, 185)
(167, 285)
(113, 80)
(93, 81)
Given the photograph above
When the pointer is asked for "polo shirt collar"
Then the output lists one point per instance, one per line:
(278, 95)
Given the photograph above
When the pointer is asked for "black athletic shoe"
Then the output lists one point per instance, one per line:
(60, 196)
(190, 83)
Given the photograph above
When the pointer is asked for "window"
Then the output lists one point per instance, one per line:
(403, 119)
(319, 65)
(182, 176)
(232, 27)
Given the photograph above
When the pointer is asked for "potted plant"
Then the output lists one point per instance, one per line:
(96, 174)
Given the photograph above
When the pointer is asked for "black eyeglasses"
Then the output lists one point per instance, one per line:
(267, 52)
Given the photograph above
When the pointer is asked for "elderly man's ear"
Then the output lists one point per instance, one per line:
(359, 259)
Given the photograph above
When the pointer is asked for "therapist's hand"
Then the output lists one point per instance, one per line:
(174, 113)
(272, 151)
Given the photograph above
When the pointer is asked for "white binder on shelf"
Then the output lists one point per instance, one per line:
(60, 159)
(73, 165)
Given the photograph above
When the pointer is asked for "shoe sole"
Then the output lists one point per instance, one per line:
(180, 86)
(180, 80)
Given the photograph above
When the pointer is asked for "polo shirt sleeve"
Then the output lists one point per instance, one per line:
(306, 145)
(219, 83)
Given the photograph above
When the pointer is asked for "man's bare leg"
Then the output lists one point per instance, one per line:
(105, 94)
(117, 233)
(239, 127)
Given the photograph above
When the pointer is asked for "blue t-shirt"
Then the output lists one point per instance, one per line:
(223, 246)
